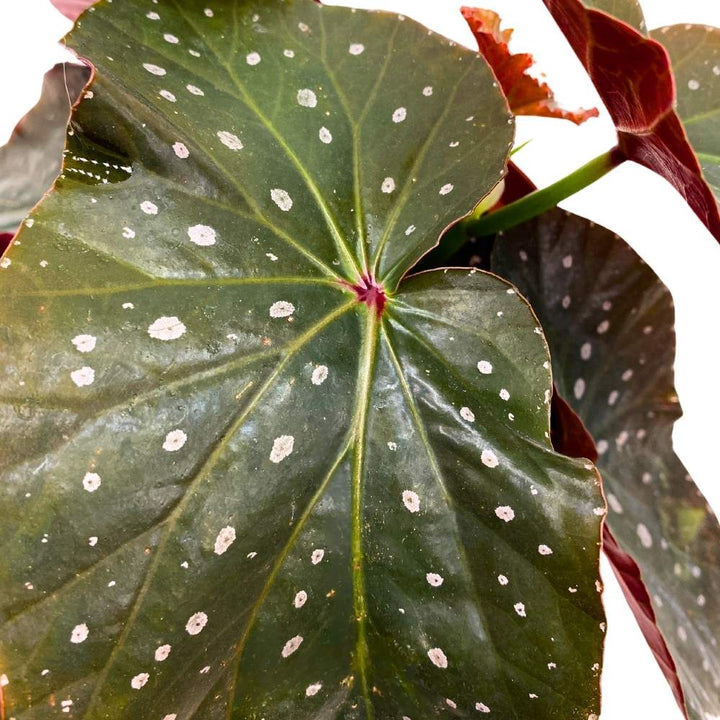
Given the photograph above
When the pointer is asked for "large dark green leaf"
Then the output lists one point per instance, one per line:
(229, 488)
(609, 322)
(31, 159)
(695, 55)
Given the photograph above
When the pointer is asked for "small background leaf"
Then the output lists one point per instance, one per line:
(695, 55)
(609, 322)
(30, 161)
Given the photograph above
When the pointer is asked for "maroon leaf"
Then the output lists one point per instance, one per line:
(633, 76)
(72, 8)
(526, 95)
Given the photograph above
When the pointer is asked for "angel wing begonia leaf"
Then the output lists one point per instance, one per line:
(695, 55)
(633, 77)
(526, 95)
(613, 351)
(246, 471)
(30, 161)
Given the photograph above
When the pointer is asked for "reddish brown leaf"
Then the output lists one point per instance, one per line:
(72, 8)
(526, 95)
(633, 76)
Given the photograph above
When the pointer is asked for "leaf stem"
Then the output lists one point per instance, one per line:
(543, 200)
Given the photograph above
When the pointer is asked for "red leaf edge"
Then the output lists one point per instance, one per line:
(526, 95)
(72, 9)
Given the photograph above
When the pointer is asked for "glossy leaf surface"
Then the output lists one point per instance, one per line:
(231, 490)
(526, 95)
(613, 351)
(633, 77)
(30, 161)
(695, 56)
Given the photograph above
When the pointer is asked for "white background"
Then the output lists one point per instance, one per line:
(633, 202)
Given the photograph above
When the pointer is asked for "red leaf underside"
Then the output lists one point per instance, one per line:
(526, 95)
(633, 76)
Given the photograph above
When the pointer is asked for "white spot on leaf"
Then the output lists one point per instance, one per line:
(399, 115)
(84, 343)
(149, 208)
(253, 58)
(281, 309)
(356, 49)
(544, 550)
(520, 609)
(282, 447)
(196, 623)
(79, 634)
(313, 689)
(291, 646)
(388, 185)
(319, 375)
(174, 440)
(489, 458)
(139, 681)
(202, 235)
(485, 367)
(282, 199)
(300, 599)
(505, 512)
(446, 189)
(230, 140)
(434, 579)
(155, 69)
(307, 98)
(224, 539)
(411, 501)
(84, 376)
(317, 555)
(162, 653)
(180, 149)
(438, 658)
(91, 481)
(467, 414)
(167, 328)
(325, 135)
